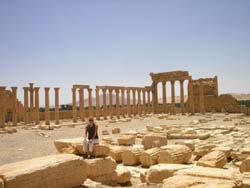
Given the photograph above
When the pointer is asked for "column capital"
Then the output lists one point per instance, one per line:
(14, 88)
(97, 89)
(181, 81)
(36, 88)
(2, 87)
(104, 90)
(110, 90)
(117, 90)
(164, 82)
(46, 88)
(57, 88)
(25, 88)
(172, 82)
(73, 89)
(90, 89)
(128, 90)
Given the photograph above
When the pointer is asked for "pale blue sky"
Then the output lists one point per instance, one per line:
(104, 42)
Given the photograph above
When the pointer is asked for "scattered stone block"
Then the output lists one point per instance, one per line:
(123, 175)
(126, 140)
(54, 171)
(214, 159)
(175, 154)
(226, 150)
(131, 157)
(70, 146)
(116, 130)
(245, 166)
(149, 157)
(187, 143)
(154, 140)
(116, 152)
(105, 132)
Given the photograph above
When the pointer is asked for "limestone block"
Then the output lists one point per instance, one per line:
(215, 159)
(131, 157)
(54, 171)
(116, 130)
(187, 143)
(116, 152)
(106, 179)
(101, 150)
(105, 132)
(157, 173)
(10, 130)
(70, 146)
(175, 154)
(245, 165)
(149, 157)
(226, 150)
(126, 140)
(123, 175)
(99, 167)
(203, 150)
(154, 140)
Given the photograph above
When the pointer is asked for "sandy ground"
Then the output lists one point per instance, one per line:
(28, 143)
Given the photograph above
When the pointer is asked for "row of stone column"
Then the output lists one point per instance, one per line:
(32, 112)
(120, 109)
(164, 95)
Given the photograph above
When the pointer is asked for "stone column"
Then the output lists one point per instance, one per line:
(104, 103)
(173, 96)
(144, 101)
(47, 115)
(155, 98)
(117, 103)
(128, 103)
(182, 97)
(149, 104)
(97, 109)
(2, 107)
(201, 91)
(164, 94)
(14, 106)
(110, 103)
(31, 103)
(26, 105)
(37, 118)
(57, 115)
(123, 102)
(90, 103)
(81, 101)
(191, 96)
(139, 101)
(74, 110)
(134, 102)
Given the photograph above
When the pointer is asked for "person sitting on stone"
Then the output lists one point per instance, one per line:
(91, 138)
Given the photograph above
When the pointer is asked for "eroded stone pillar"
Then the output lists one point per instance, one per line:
(117, 109)
(134, 102)
(47, 113)
(201, 91)
(149, 105)
(182, 97)
(14, 106)
(81, 101)
(2, 106)
(37, 112)
(191, 96)
(144, 101)
(97, 109)
(104, 103)
(57, 115)
(74, 110)
(128, 103)
(110, 103)
(155, 98)
(26, 105)
(31, 118)
(90, 103)
(173, 96)
(139, 101)
(164, 94)
(123, 102)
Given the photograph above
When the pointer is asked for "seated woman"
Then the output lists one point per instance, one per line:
(91, 138)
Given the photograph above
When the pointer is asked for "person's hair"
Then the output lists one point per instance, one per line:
(91, 119)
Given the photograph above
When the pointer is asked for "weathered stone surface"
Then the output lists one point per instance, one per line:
(226, 150)
(126, 140)
(175, 154)
(203, 150)
(157, 173)
(131, 157)
(245, 165)
(154, 140)
(149, 157)
(101, 150)
(116, 130)
(1, 183)
(53, 171)
(215, 159)
(99, 167)
(123, 175)
(105, 132)
(116, 152)
(187, 143)
(70, 146)
(106, 179)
